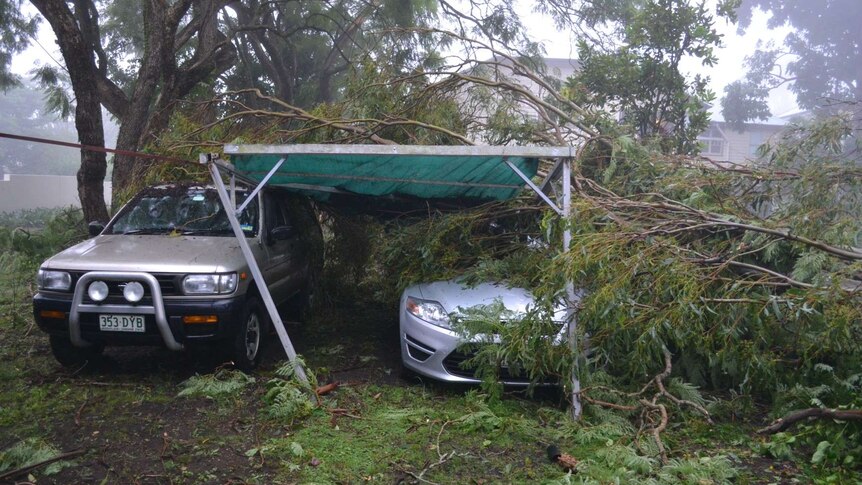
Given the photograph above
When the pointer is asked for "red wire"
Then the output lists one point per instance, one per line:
(92, 148)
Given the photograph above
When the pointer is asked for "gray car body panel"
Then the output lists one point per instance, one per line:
(453, 294)
(153, 254)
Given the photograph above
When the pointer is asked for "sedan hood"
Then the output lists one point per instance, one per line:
(151, 253)
(453, 294)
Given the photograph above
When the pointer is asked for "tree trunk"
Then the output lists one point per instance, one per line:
(91, 175)
(133, 124)
(88, 112)
(161, 81)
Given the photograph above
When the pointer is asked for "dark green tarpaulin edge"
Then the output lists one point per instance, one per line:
(426, 172)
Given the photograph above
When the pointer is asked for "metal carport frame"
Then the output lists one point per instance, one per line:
(284, 154)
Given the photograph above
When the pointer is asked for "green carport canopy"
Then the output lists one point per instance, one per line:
(479, 173)
(425, 173)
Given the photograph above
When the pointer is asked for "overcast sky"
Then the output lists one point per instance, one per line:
(728, 69)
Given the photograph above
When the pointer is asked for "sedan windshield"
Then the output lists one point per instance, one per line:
(182, 209)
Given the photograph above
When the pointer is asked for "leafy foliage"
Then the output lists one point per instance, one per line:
(15, 30)
(29, 452)
(745, 281)
(635, 71)
(26, 239)
(220, 384)
(289, 399)
(837, 445)
(530, 344)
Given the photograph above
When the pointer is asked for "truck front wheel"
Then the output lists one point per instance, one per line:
(248, 343)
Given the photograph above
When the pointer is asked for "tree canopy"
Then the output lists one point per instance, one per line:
(630, 66)
(819, 60)
(15, 31)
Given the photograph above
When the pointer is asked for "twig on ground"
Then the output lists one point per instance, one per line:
(442, 458)
(650, 406)
(81, 408)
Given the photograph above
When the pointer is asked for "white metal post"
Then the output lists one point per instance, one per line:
(572, 315)
(533, 186)
(255, 271)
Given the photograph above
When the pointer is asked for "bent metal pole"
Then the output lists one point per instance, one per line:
(275, 318)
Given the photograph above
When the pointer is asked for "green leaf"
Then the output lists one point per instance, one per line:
(820, 454)
(296, 449)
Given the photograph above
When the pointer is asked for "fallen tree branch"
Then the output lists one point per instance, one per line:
(29, 468)
(605, 404)
(687, 218)
(662, 425)
(781, 424)
(326, 389)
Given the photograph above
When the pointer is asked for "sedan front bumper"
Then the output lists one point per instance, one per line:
(437, 352)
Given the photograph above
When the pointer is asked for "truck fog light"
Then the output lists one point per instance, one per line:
(133, 292)
(98, 291)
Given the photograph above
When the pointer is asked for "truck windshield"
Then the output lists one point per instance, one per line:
(184, 210)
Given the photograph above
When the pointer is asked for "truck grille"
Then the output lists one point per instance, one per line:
(168, 283)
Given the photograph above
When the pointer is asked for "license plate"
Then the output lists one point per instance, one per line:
(121, 323)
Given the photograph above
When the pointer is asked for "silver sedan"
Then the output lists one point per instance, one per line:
(429, 345)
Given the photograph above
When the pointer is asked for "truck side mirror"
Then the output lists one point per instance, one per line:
(95, 228)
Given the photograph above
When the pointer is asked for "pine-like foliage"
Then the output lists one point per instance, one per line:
(287, 398)
(287, 402)
(222, 383)
(29, 452)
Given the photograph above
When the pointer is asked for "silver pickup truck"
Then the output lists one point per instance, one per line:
(167, 270)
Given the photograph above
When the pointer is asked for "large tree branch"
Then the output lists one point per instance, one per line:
(689, 219)
(821, 413)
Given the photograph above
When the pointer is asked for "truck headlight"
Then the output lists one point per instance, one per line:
(209, 284)
(54, 280)
(133, 292)
(428, 310)
(98, 291)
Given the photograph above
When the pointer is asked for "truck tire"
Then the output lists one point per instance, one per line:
(70, 356)
(248, 343)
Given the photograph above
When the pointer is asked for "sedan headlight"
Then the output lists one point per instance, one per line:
(428, 310)
(209, 284)
(54, 280)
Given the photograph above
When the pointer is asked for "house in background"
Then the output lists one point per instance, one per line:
(721, 143)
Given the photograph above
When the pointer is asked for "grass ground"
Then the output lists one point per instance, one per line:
(126, 422)
(126, 416)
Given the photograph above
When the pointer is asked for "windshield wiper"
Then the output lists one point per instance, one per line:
(197, 232)
(148, 230)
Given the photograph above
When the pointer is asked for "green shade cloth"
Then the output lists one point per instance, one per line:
(426, 172)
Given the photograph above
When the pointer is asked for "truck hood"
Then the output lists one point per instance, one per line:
(152, 254)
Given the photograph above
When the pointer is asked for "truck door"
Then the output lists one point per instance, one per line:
(281, 240)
